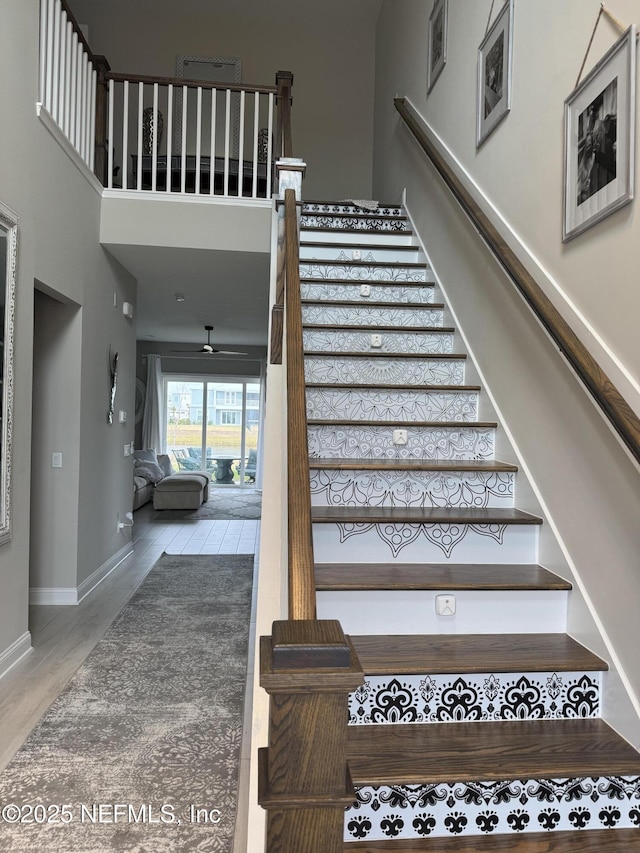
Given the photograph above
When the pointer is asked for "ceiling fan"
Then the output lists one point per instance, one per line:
(208, 349)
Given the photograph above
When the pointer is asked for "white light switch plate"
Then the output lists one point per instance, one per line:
(56, 460)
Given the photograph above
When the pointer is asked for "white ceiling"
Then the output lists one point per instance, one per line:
(227, 290)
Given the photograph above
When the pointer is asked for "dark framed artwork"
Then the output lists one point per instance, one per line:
(437, 42)
(599, 139)
(494, 74)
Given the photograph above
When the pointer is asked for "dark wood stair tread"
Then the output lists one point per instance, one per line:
(403, 424)
(378, 282)
(473, 653)
(447, 330)
(347, 464)
(462, 752)
(370, 247)
(438, 576)
(420, 515)
(359, 231)
(386, 387)
(367, 302)
(430, 356)
(579, 841)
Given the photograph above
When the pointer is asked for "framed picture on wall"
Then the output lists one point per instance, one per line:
(494, 74)
(599, 134)
(437, 42)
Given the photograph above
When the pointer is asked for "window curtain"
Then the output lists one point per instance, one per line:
(152, 417)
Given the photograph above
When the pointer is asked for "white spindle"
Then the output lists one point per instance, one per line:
(256, 120)
(269, 146)
(198, 137)
(85, 107)
(214, 107)
(169, 133)
(63, 62)
(66, 119)
(227, 127)
(154, 140)
(92, 121)
(74, 88)
(79, 94)
(110, 135)
(140, 109)
(56, 60)
(42, 86)
(125, 134)
(49, 92)
(183, 149)
(241, 146)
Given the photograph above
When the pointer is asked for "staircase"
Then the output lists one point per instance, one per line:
(479, 724)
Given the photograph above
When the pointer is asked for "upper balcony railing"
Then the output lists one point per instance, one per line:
(160, 135)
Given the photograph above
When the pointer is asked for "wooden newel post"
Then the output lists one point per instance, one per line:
(102, 100)
(284, 144)
(308, 668)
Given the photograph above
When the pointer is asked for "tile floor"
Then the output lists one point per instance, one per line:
(63, 636)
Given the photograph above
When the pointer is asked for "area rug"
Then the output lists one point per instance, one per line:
(141, 751)
(223, 504)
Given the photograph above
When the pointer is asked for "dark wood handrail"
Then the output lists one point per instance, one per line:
(76, 27)
(620, 414)
(183, 81)
(302, 596)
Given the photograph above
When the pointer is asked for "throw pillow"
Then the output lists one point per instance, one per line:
(151, 471)
(165, 463)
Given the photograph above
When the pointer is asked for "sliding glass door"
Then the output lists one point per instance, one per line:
(213, 425)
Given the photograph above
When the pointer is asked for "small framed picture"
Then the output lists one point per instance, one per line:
(437, 42)
(599, 134)
(494, 74)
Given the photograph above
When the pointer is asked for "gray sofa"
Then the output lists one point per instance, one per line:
(149, 468)
(154, 479)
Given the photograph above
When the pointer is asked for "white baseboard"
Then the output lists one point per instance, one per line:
(14, 653)
(74, 595)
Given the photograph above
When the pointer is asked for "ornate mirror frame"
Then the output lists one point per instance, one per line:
(8, 277)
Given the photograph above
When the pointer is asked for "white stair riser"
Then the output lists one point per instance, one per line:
(414, 612)
(343, 441)
(337, 340)
(412, 488)
(476, 697)
(324, 208)
(364, 272)
(425, 543)
(502, 807)
(372, 315)
(384, 371)
(344, 291)
(360, 237)
(391, 405)
(390, 255)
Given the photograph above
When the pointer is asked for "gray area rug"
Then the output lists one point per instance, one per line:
(223, 504)
(146, 736)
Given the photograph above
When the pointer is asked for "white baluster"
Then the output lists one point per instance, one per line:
(85, 106)
(169, 132)
(125, 135)
(241, 145)
(269, 145)
(73, 105)
(93, 84)
(183, 150)
(110, 135)
(154, 140)
(42, 85)
(140, 110)
(227, 127)
(56, 61)
(68, 109)
(256, 121)
(198, 137)
(61, 66)
(214, 107)
(49, 75)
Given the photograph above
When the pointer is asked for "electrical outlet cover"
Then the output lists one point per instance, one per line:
(400, 436)
(365, 290)
(376, 340)
(445, 605)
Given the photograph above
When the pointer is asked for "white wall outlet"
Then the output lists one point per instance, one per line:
(445, 605)
(400, 436)
(56, 459)
(122, 417)
(376, 340)
(365, 290)
(357, 255)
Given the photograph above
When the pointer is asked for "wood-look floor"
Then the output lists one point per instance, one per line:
(458, 752)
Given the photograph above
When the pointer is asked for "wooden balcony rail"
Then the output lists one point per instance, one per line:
(68, 77)
(173, 135)
(616, 409)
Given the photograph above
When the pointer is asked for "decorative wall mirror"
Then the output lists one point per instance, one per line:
(8, 272)
(223, 71)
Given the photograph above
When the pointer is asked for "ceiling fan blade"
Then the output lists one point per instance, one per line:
(226, 352)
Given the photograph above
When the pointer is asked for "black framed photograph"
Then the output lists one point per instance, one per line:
(599, 121)
(494, 74)
(437, 42)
